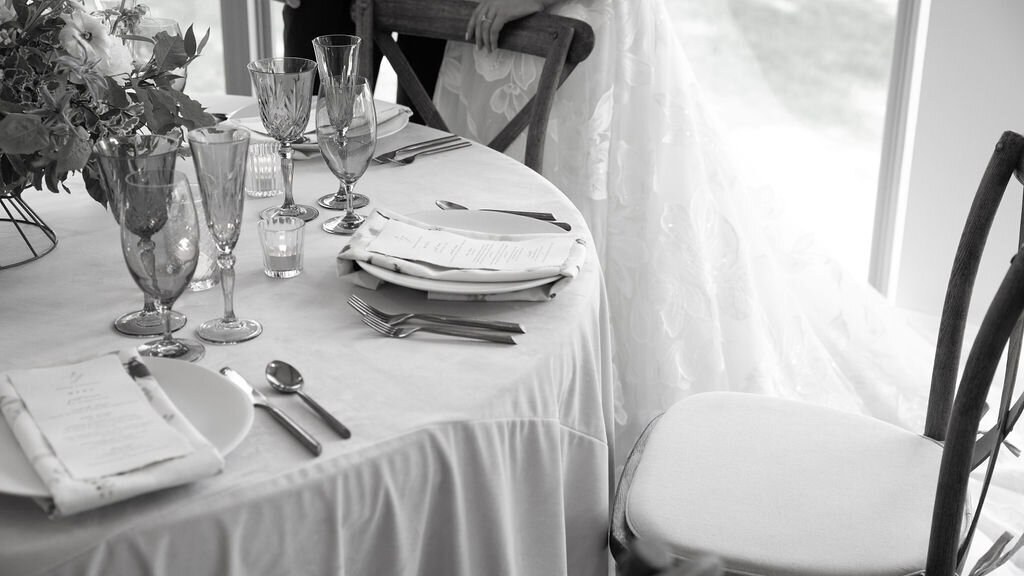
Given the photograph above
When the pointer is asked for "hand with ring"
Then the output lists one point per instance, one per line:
(490, 16)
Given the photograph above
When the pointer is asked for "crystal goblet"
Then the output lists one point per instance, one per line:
(116, 157)
(160, 243)
(346, 129)
(284, 89)
(337, 55)
(219, 154)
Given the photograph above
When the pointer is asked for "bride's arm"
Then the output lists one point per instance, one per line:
(491, 15)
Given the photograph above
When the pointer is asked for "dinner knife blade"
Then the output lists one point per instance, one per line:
(259, 399)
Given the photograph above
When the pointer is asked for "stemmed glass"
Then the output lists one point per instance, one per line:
(284, 88)
(116, 157)
(337, 56)
(219, 154)
(160, 243)
(346, 130)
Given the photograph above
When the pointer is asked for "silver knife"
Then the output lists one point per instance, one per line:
(258, 399)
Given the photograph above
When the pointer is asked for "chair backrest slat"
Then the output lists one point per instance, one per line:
(1004, 162)
(968, 408)
(561, 42)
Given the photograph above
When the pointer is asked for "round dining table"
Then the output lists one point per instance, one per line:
(465, 457)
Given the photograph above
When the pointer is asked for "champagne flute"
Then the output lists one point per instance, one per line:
(160, 243)
(219, 155)
(142, 51)
(284, 89)
(337, 55)
(116, 157)
(346, 128)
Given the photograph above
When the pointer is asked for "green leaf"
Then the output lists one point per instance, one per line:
(191, 114)
(160, 108)
(116, 95)
(93, 185)
(169, 52)
(23, 134)
(190, 42)
(74, 154)
(202, 43)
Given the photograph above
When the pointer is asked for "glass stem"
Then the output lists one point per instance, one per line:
(148, 304)
(286, 173)
(165, 315)
(347, 187)
(226, 261)
(339, 196)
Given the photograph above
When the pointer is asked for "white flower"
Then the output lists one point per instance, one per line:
(85, 37)
(7, 12)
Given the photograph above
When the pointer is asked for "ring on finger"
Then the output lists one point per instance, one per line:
(485, 19)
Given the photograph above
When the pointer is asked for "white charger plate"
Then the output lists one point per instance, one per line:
(249, 117)
(218, 409)
(475, 221)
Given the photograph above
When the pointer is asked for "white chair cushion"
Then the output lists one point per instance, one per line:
(780, 487)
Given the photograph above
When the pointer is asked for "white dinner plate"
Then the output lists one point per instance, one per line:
(218, 409)
(475, 221)
(249, 117)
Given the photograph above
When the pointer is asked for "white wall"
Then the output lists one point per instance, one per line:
(972, 89)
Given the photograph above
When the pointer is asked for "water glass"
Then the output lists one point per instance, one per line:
(206, 275)
(263, 170)
(281, 237)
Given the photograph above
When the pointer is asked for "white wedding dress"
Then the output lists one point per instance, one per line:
(710, 287)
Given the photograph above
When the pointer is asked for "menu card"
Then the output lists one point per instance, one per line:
(96, 418)
(450, 250)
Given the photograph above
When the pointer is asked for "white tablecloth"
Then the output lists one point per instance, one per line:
(466, 457)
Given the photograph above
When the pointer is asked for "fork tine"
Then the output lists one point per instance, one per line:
(377, 325)
(367, 310)
(360, 306)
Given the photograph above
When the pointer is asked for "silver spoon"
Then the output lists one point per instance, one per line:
(449, 205)
(283, 377)
(546, 217)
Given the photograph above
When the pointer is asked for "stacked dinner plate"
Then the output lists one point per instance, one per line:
(465, 253)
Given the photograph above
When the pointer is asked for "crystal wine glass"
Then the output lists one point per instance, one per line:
(142, 51)
(346, 129)
(160, 243)
(284, 89)
(337, 55)
(116, 157)
(219, 155)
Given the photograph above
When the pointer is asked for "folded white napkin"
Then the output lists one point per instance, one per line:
(413, 248)
(70, 494)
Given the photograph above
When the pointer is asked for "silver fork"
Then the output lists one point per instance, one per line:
(389, 156)
(396, 332)
(412, 157)
(366, 309)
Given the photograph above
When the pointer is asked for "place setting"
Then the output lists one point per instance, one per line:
(458, 255)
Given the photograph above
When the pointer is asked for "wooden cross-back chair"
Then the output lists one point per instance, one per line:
(562, 42)
(773, 486)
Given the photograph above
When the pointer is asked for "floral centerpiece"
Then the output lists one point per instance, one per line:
(69, 80)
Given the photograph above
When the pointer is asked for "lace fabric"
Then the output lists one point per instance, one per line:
(710, 286)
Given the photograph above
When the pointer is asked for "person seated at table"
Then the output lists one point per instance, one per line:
(304, 20)
(706, 291)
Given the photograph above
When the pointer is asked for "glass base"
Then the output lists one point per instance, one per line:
(142, 324)
(282, 273)
(346, 224)
(337, 201)
(176, 348)
(306, 213)
(220, 332)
